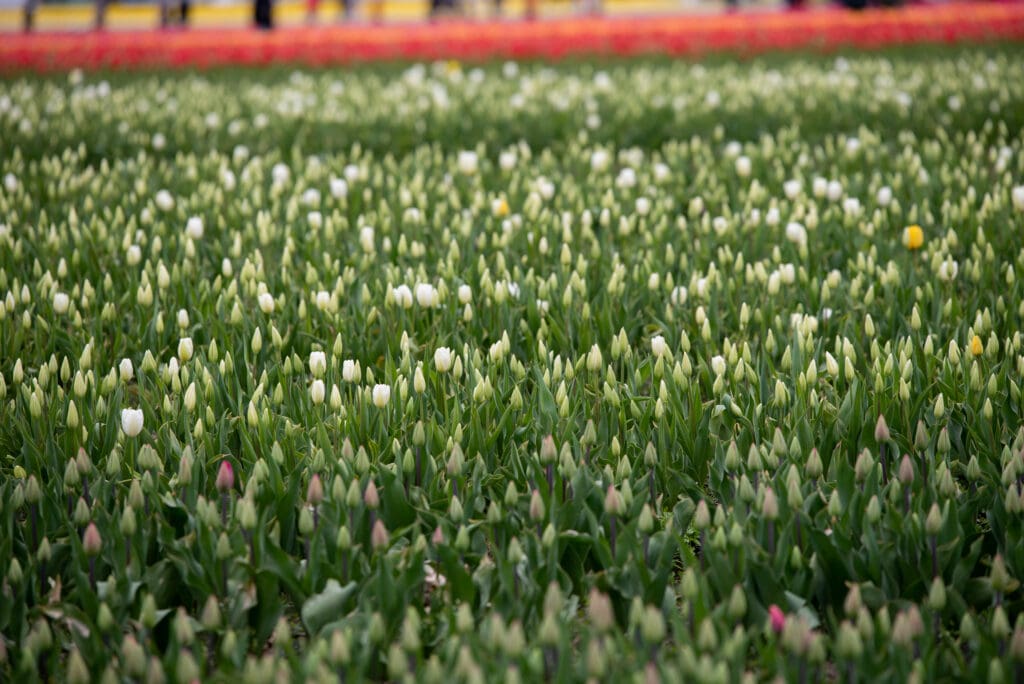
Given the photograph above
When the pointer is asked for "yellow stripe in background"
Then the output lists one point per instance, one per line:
(80, 16)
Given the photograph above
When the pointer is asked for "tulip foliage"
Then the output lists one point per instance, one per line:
(523, 373)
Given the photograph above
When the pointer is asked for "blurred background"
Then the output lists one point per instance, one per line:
(60, 15)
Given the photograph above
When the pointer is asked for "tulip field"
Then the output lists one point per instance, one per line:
(609, 370)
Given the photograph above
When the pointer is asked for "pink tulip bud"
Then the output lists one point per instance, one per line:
(777, 618)
(91, 540)
(370, 496)
(225, 477)
(379, 537)
(315, 491)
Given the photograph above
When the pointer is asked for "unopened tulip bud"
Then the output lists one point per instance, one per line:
(91, 541)
(370, 497)
(315, 491)
(225, 477)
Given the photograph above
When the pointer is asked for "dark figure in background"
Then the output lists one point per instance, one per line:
(101, 14)
(441, 7)
(30, 14)
(262, 15)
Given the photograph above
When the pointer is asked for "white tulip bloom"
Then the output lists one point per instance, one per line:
(185, 349)
(426, 295)
(323, 300)
(367, 239)
(349, 371)
(317, 363)
(266, 302)
(164, 200)
(626, 178)
(948, 270)
(61, 303)
(134, 255)
(126, 370)
(443, 358)
(403, 296)
(743, 166)
(835, 190)
(194, 228)
(795, 232)
(507, 160)
(280, 173)
(465, 294)
(317, 392)
(792, 188)
(311, 197)
(658, 345)
(643, 206)
(718, 365)
(884, 196)
(381, 395)
(819, 187)
(1017, 195)
(339, 188)
(131, 421)
(599, 160)
(468, 163)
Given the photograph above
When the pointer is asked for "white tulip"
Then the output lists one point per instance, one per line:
(884, 196)
(280, 173)
(626, 178)
(948, 270)
(403, 296)
(795, 232)
(820, 187)
(792, 188)
(658, 345)
(339, 188)
(311, 197)
(1018, 197)
(468, 162)
(194, 228)
(131, 421)
(426, 295)
(443, 359)
(126, 370)
(349, 371)
(164, 200)
(317, 363)
(465, 294)
(317, 391)
(743, 166)
(835, 190)
(61, 303)
(185, 349)
(266, 301)
(381, 395)
(323, 300)
(718, 365)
